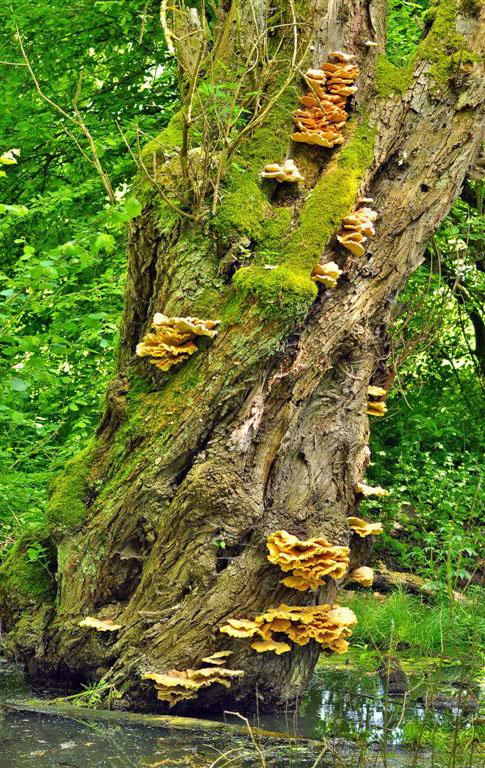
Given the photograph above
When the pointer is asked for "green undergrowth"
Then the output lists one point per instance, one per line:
(428, 452)
(447, 742)
(404, 622)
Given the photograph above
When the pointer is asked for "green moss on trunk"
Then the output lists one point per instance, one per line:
(66, 507)
(25, 577)
(288, 290)
(244, 206)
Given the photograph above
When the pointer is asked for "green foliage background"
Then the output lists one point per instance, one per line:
(62, 255)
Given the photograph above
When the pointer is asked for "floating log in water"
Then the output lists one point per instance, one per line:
(167, 722)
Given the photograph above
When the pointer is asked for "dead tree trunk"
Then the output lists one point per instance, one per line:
(265, 427)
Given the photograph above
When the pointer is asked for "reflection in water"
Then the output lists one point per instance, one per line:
(344, 705)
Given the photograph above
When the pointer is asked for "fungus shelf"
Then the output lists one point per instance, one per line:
(172, 341)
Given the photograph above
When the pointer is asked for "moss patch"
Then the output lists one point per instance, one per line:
(281, 291)
(245, 205)
(289, 290)
(332, 198)
(242, 210)
(442, 44)
(66, 508)
(390, 78)
(24, 576)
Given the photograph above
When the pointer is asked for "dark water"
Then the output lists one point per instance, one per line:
(345, 705)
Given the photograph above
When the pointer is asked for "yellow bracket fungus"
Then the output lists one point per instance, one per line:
(362, 528)
(323, 113)
(100, 625)
(328, 625)
(363, 575)
(178, 686)
(356, 228)
(310, 561)
(376, 391)
(376, 409)
(369, 490)
(217, 658)
(240, 628)
(287, 172)
(327, 274)
(268, 644)
(172, 341)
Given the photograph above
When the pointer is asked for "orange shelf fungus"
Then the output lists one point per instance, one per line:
(340, 56)
(268, 644)
(288, 172)
(369, 490)
(310, 561)
(217, 658)
(376, 391)
(172, 341)
(327, 274)
(323, 111)
(362, 528)
(178, 685)
(363, 575)
(357, 227)
(352, 241)
(376, 409)
(101, 625)
(328, 625)
(240, 628)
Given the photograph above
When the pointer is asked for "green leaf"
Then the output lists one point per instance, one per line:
(19, 385)
(104, 242)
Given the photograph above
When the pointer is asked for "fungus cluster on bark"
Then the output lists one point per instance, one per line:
(376, 405)
(369, 490)
(172, 340)
(323, 113)
(328, 625)
(327, 274)
(101, 625)
(287, 172)
(363, 528)
(176, 685)
(363, 575)
(310, 561)
(357, 227)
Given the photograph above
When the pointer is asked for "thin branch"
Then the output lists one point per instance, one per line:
(252, 124)
(144, 15)
(168, 34)
(78, 121)
(140, 164)
(295, 34)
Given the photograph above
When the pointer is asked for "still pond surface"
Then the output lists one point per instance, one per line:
(346, 708)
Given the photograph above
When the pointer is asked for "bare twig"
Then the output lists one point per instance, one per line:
(152, 179)
(78, 121)
(144, 16)
(169, 38)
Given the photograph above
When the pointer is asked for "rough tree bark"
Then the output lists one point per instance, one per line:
(265, 427)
